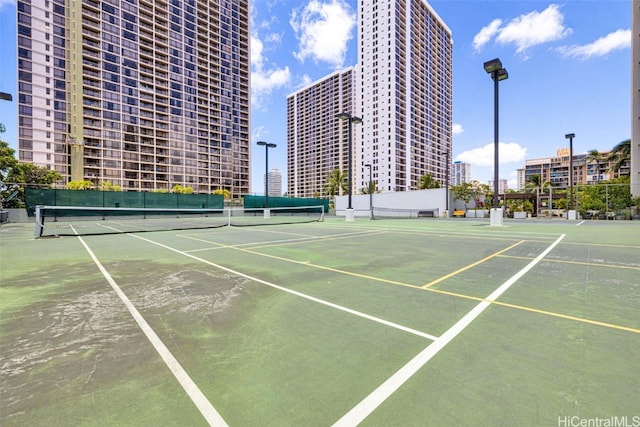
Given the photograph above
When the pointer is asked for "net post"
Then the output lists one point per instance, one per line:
(39, 225)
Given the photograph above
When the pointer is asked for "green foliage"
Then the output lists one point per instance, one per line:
(336, 183)
(80, 185)
(27, 174)
(427, 182)
(222, 191)
(369, 189)
(179, 189)
(109, 186)
(468, 190)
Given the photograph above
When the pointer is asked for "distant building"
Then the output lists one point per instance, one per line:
(460, 173)
(586, 170)
(502, 185)
(274, 178)
(520, 180)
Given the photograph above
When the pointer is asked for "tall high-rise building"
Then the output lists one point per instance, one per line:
(460, 173)
(403, 95)
(316, 138)
(144, 94)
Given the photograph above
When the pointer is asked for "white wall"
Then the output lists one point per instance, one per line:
(418, 199)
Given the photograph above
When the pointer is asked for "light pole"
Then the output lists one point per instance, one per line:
(4, 97)
(370, 190)
(447, 153)
(352, 120)
(267, 145)
(498, 73)
(570, 137)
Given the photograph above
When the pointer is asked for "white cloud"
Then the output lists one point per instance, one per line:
(456, 129)
(323, 30)
(510, 152)
(4, 3)
(263, 81)
(526, 30)
(620, 39)
(486, 34)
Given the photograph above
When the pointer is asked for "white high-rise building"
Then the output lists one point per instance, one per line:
(274, 178)
(460, 173)
(144, 94)
(403, 94)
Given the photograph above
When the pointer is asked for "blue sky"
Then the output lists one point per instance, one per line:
(569, 72)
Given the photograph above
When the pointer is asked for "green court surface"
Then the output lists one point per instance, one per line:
(426, 322)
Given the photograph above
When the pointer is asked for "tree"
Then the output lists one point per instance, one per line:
(336, 183)
(109, 186)
(426, 182)
(182, 190)
(594, 156)
(222, 191)
(369, 189)
(620, 155)
(80, 185)
(14, 172)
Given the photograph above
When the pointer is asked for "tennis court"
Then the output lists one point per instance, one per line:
(426, 322)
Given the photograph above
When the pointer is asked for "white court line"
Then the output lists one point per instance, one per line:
(296, 293)
(363, 409)
(199, 399)
(580, 223)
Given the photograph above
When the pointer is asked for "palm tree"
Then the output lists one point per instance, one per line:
(620, 154)
(369, 189)
(594, 156)
(427, 181)
(336, 183)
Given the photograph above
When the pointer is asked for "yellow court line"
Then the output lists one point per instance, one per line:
(467, 267)
(536, 310)
(438, 291)
(307, 263)
(589, 264)
(317, 239)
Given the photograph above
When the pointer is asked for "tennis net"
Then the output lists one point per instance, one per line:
(82, 221)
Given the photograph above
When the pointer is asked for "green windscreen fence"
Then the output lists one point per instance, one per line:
(284, 202)
(119, 199)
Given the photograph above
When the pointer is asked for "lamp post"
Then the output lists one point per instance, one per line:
(267, 145)
(3, 216)
(570, 137)
(447, 153)
(498, 73)
(352, 120)
(370, 190)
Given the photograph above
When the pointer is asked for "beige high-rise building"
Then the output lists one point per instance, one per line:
(316, 138)
(144, 94)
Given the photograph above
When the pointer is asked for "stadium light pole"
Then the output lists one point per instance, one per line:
(370, 189)
(4, 96)
(498, 73)
(570, 137)
(447, 153)
(352, 120)
(267, 145)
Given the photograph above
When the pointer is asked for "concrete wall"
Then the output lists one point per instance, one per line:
(418, 199)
